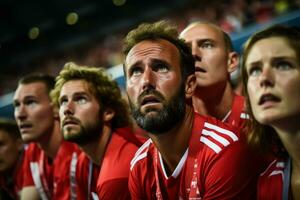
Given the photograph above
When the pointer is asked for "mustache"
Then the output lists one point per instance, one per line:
(71, 119)
(150, 91)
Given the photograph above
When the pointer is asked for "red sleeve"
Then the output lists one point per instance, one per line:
(231, 174)
(134, 185)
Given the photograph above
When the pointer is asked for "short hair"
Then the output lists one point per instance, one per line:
(105, 90)
(226, 38)
(265, 136)
(10, 127)
(48, 80)
(166, 31)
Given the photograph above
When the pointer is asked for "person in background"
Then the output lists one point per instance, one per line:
(11, 160)
(215, 59)
(94, 116)
(48, 157)
(188, 156)
(271, 76)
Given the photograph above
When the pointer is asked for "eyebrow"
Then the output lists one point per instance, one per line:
(75, 94)
(158, 61)
(135, 64)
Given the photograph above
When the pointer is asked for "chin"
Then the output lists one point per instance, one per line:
(27, 139)
(268, 119)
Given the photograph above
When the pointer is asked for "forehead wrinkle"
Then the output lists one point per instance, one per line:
(145, 51)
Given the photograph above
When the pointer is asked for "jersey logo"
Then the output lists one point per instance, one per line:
(216, 137)
(141, 153)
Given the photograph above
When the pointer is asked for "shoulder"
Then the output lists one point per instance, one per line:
(270, 182)
(141, 154)
(32, 152)
(126, 135)
(215, 134)
(273, 171)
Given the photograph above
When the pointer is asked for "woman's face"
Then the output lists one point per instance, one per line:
(274, 81)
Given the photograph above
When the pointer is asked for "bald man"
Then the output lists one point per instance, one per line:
(215, 59)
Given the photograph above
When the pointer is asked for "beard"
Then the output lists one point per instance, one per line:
(166, 118)
(85, 134)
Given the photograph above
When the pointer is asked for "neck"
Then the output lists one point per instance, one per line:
(95, 149)
(289, 133)
(50, 144)
(173, 144)
(214, 101)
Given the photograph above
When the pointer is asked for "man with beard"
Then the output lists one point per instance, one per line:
(188, 156)
(215, 59)
(48, 157)
(93, 115)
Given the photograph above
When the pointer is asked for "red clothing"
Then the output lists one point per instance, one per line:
(113, 178)
(112, 181)
(237, 115)
(13, 183)
(83, 168)
(270, 183)
(50, 177)
(217, 165)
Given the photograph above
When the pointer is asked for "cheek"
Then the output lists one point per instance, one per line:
(131, 91)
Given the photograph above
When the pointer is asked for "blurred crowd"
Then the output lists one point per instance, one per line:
(230, 15)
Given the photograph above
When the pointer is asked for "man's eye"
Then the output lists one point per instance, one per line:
(63, 102)
(207, 45)
(81, 100)
(254, 71)
(135, 71)
(162, 68)
(31, 103)
(16, 105)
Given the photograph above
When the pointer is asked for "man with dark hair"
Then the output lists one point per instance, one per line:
(48, 158)
(11, 160)
(215, 59)
(188, 156)
(94, 116)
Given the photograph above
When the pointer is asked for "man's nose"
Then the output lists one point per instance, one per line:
(196, 52)
(148, 79)
(20, 112)
(68, 108)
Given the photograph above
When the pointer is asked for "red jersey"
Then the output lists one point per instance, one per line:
(270, 183)
(112, 180)
(13, 183)
(216, 165)
(50, 177)
(86, 176)
(237, 115)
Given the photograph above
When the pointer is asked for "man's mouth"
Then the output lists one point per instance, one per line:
(25, 126)
(150, 99)
(200, 69)
(69, 121)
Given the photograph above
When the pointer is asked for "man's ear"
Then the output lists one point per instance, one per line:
(108, 114)
(190, 86)
(233, 61)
